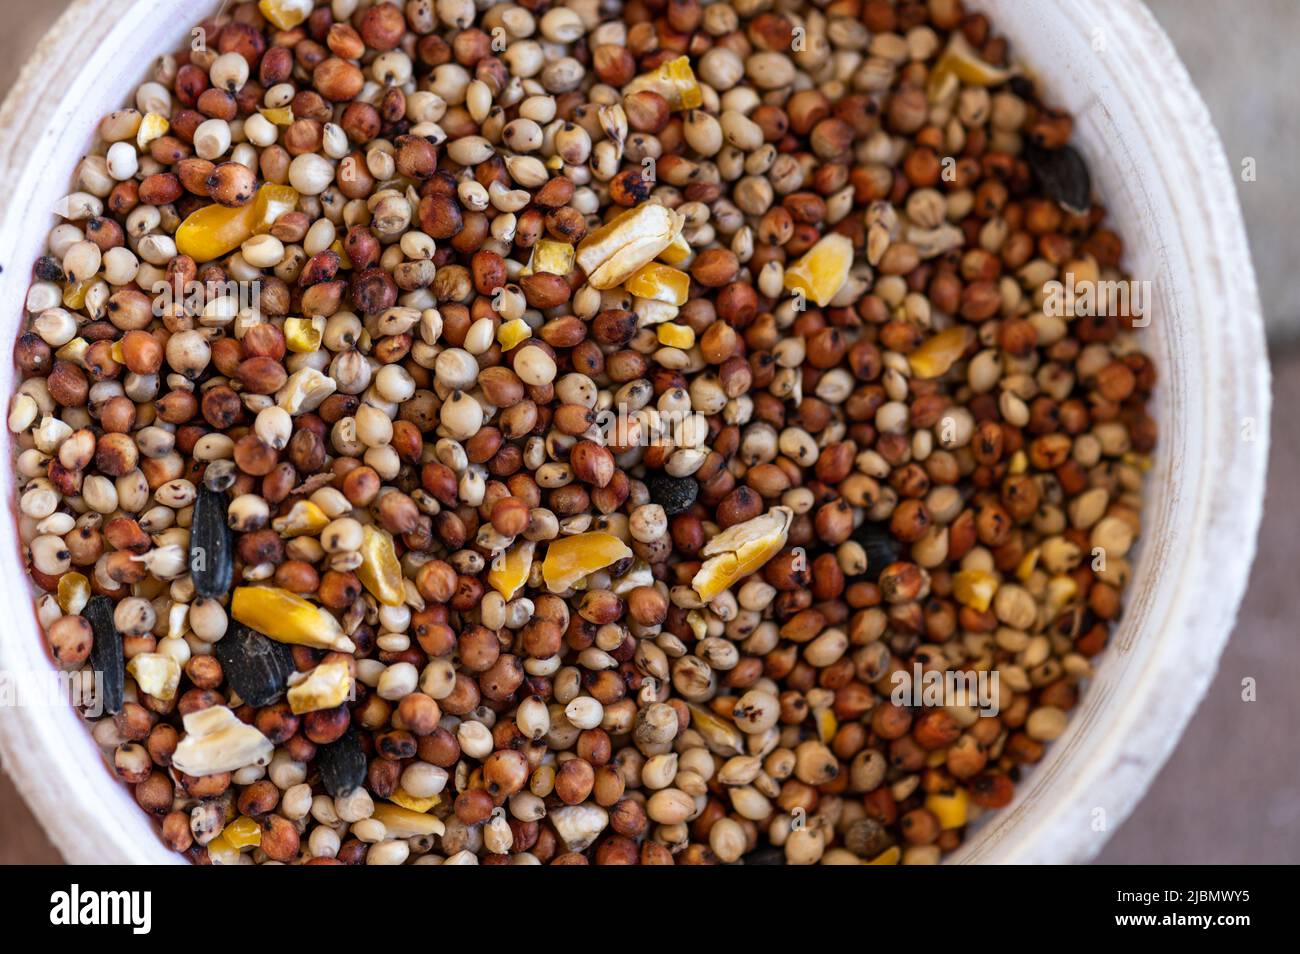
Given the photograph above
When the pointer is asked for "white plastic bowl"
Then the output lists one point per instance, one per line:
(1160, 169)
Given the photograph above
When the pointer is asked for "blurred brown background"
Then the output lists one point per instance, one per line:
(1230, 792)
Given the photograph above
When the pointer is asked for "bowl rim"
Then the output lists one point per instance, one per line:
(60, 771)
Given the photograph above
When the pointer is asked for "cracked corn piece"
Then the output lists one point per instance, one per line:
(551, 257)
(380, 571)
(411, 803)
(741, 550)
(304, 335)
(304, 391)
(512, 332)
(940, 352)
(74, 294)
(402, 822)
(215, 230)
(823, 269)
(659, 282)
(569, 559)
(650, 312)
(974, 588)
(155, 674)
(74, 593)
(613, 253)
(222, 852)
(280, 116)
(962, 62)
(285, 14)
(303, 519)
(673, 335)
(951, 808)
(288, 618)
(509, 571)
(677, 252)
(152, 126)
(326, 686)
(243, 832)
(675, 81)
(217, 741)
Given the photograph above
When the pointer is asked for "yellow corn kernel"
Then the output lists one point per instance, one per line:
(719, 733)
(974, 588)
(675, 81)
(280, 115)
(512, 332)
(1019, 463)
(286, 14)
(613, 253)
(550, 256)
(951, 808)
(1142, 462)
(152, 127)
(74, 351)
(510, 570)
(660, 283)
(345, 260)
(698, 624)
(304, 335)
(156, 674)
(677, 251)
(940, 352)
(74, 294)
(676, 336)
(411, 803)
(288, 618)
(1028, 563)
(380, 571)
(960, 61)
(117, 353)
(741, 550)
(823, 269)
(222, 852)
(404, 823)
(303, 519)
(1060, 590)
(827, 725)
(243, 832)
(214, 230)
(890, 856)
(326, 686)
(569, 559)
(74, 593)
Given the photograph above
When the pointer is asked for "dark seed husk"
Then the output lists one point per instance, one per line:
(1063, 175)
(881, 547)
(256, 667)
(342, 765)
(765, 856)
(106, 653)
(212, 554)
(675, 494)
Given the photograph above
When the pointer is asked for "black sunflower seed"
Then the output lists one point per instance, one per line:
(106, 653)
(256, 667)
(881, 546)
(212, 548)
(1063, 175)
(342, 765)
(675, 494)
